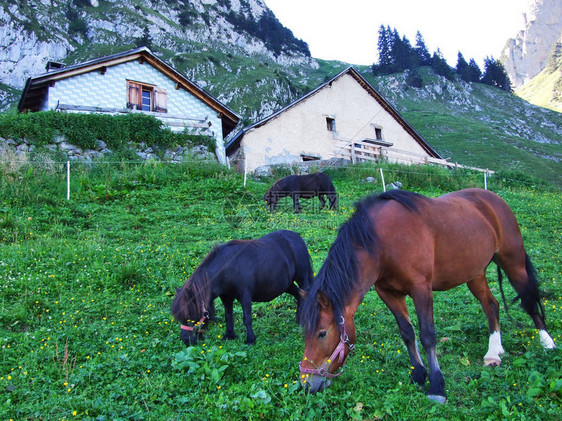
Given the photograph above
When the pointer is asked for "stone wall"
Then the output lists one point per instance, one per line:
(17, 150)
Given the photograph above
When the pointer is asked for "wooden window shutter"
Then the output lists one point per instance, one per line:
(134, 95)
(160, 100)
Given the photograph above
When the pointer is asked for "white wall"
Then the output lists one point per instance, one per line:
(302, 129)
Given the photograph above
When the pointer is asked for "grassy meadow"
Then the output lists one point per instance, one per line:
(86, 286)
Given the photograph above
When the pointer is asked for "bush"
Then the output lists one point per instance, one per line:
(83, 130)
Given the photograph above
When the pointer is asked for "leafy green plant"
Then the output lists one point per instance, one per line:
(210, 365)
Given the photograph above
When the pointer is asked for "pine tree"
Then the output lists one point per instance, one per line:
(145, 40)
(462, 68)
(421, 50)
(440, 66)
(495, 74)
(474, 71)
(384, 47)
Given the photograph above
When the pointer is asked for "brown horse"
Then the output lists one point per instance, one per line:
(407, 244)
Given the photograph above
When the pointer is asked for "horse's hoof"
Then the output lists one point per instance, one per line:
(492, 362)
(437, 398)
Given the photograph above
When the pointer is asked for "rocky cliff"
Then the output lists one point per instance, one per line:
(33, 32)
(526, 55)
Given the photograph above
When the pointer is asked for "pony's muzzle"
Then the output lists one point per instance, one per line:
(188, 338)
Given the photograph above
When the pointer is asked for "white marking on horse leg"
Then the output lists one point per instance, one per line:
(495, 348)
(437, 399)
(546, 340)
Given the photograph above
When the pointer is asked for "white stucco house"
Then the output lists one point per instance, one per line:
(131, 81)
(344, 117)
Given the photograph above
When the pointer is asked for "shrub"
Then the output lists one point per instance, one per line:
(83, 130)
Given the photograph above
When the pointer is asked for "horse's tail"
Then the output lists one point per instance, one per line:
(529, 294)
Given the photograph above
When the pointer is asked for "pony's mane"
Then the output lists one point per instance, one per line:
(195, 293)
(338, 276)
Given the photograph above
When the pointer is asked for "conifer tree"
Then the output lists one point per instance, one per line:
(384, 49)
(474, 71)
(495, 74)
(440, 66)
(462, 67)
(421, 50)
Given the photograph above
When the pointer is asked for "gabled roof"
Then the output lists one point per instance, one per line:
(367, 86)
(36, 87)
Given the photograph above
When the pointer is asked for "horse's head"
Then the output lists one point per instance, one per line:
(271, 196)
(327, 347)
(189, 308)
(192, 331)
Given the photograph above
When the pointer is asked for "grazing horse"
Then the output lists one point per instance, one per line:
(305, 186)
(406, 244)
(252, 270)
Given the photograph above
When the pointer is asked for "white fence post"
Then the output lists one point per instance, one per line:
(382, 177)
(67, 180)
(486, 179)
(245, 167)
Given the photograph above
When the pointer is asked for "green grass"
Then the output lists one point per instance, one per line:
(86, 286)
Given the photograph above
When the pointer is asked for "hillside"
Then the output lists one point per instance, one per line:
(220, 46)
(479, 125)
(86, 287)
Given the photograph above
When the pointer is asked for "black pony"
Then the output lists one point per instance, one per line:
(253, 270)
(305, 186)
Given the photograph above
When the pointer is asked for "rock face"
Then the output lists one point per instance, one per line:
(37, 31)
(527, 54)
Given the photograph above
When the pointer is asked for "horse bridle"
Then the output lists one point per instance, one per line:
(198, 326)
(338, 353)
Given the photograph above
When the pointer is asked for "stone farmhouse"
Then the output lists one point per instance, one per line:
(131, 81)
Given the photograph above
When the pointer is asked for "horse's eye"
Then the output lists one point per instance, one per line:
(322, 334)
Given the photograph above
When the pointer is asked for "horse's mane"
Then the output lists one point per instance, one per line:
(195, 294)
(338, 276)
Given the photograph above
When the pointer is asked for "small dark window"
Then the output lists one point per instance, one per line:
(331, 124)
(310, 158)
(378, 133)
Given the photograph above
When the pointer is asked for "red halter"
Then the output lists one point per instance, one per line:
(338, 353)
(197, 326)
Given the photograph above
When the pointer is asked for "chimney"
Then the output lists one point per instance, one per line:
(53, 65)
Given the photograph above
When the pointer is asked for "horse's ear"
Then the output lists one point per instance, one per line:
(323, 300)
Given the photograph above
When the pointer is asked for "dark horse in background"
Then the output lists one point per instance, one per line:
(305, 186)
(252, 270)
(406, 244)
